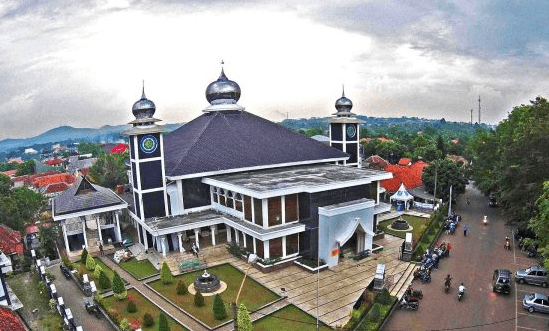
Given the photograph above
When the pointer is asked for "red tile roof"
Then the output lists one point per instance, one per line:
(57, 187)
(27, 179)
(10, 241)
(53, 162)
(10, 173)
(53, 179)
(32, 229)
(15, 160)
(410, 176)
(120, 148)
(10, 321)
(404, 161)
(378, 160)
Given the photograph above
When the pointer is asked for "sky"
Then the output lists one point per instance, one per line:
(82, 63)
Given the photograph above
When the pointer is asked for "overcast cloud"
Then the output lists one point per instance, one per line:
(81, 63)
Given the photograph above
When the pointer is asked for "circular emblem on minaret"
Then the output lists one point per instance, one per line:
(351, 130)
(148, 144)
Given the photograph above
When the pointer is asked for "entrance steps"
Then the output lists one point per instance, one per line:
(404, 281)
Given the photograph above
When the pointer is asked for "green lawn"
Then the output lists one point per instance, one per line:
(419, 225)
(119, 308)
(253, 295)
(139, 269)
(27, 289)
(81, 268)
(289, 318)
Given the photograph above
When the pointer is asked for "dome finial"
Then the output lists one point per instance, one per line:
(143, 93)
(343, 94)
(143, 108)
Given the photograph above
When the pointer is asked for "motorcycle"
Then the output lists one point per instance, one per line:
(65, 271)
(92, 309)
(414, 294)
(408, 304)
(485, 220)
(507, 244)
(461, 292)
(468, 201)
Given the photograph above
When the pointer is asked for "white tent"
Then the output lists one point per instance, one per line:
(403, 195)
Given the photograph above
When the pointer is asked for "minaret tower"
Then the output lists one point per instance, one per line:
(147, 161)
(344, 131)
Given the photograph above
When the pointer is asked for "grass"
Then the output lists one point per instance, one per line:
(81, 268)
(27, 288)
(118, 308)
(139, 269)
(368, 325)
(253, 295)
(419, 225)
(289, 318)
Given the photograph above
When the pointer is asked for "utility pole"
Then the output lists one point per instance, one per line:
(479, 109)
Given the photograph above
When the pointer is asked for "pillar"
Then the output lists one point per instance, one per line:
(196, 237)
(117, 228)
(99, 228)
(284, 247)
(265, 212)
(146, 241)
(65, 237)
(236, 236)
(255, 245)
(139, 233)
(212, 228)
(283, 208)
(181, 249)
(266, 249)
(84, 233)
(229, 230)
(163, 244)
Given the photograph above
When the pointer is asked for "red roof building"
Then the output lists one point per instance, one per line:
(410, 176)
(10, 241)
(54, 162)
(10, 173)
(10, 321)
(120, 148)
(405, 161)
(27, 179)
(40, 182)
(17, 160)
(32, 229)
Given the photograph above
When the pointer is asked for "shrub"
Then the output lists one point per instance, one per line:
(384, 297)
(84, 256)
(148, 320)
(125, 325)
(104, 281)
(355, 316)
(118, 287)
(67, 263)
(219, 308)
(181, 287)
(132, 307)
(373, 314)
(97, 271)
(166, 274)
(50, 276)
(90, 262)
(198, 299)
(163, 323)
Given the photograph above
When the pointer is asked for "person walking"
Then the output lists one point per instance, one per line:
(465, 228)
(448, 248)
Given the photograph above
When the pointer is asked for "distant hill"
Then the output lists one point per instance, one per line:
(67, 134)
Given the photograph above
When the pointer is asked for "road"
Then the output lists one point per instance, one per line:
(472, 261)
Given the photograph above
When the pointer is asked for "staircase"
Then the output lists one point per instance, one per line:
(93, 238)
(405, 279)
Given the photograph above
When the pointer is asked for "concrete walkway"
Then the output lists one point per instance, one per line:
(177, 314)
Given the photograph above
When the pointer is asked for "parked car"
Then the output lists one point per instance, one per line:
(501, 281)
(536, 302)
(536, 275)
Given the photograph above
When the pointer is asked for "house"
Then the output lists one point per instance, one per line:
(17, 160)
(11, 243)
(230, 176)
(10, 173)
(119, 148)
(30, 151)
(10, 321)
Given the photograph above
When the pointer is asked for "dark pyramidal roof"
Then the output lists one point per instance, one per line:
(83, 195)
(228, 140)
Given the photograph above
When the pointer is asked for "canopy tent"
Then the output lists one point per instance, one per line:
(403, 195)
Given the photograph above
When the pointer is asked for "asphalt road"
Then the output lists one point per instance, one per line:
(472, 262)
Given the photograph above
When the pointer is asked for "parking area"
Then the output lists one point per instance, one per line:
(525, 320)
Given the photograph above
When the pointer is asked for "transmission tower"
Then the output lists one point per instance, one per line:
(479, 109)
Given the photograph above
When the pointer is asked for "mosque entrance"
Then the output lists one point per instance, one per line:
(356, 243)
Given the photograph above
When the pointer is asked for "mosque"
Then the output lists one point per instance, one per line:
(232, 176)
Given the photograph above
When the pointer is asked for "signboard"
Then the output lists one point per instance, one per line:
(335, 252)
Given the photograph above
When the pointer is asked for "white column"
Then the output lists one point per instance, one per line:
(283, 208)
(229, 229)
(212, 228)
(266, 249)
(243, 238)
(236, 236)
(284, 247)
(84, 232)
(138, 233)
(99, 228)
(181, 249)
(117, 229)
(163, 244)
(180, 193)
(196, 237)
(253, 209)
(65, 237)
(255, 246)
(265, 209)
(146, 241)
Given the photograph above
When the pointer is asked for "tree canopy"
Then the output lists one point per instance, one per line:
(446, 173)
(19, 206)
(110, 170)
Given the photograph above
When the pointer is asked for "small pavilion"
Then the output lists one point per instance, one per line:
(403, 195)
(88, 215)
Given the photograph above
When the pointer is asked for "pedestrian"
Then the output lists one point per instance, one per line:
(101, 249)
(448, 248)
(465, 228)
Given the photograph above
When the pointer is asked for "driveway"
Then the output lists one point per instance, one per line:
(472, 261)
(74, 299)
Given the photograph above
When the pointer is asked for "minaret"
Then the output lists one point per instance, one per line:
(344, 131)
(147, 161)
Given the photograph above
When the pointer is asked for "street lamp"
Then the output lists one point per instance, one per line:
(252, 258)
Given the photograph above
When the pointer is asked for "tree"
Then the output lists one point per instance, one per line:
(118, 287)
(166, 274)
(447, 173)
(104, 281)
(20, 207)
(97, 271)
(90, 148)
(48, 237)
(90, 262)
(125, 325)
(219, 308)
(540, 224)
(84, 255)
(163, 323)
(243, 319)
(148, 320)
(110, 170)
(25, 168)
(198, 299)
(5, 184)
(181, 287)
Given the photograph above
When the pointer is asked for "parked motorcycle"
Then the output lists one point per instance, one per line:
(92, 309)
(411, 293)
(65, 271)
(405, 303)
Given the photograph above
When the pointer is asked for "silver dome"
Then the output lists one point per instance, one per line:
(343, 104)
(143, 108)
(223, 91)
